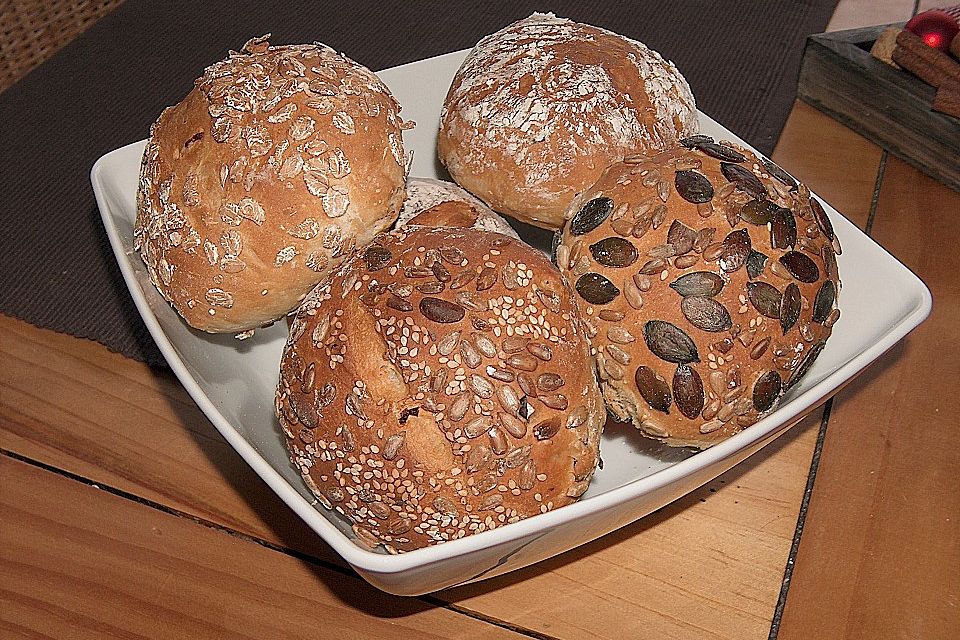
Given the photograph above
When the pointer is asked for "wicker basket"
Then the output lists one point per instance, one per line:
(33, 30)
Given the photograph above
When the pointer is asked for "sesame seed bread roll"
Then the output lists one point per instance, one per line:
(438, 203)
(255, 186)
(540, 108)
(708, 281)
(440, 385)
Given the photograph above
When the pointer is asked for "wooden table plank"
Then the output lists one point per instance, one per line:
(880, 556)
(707, 566)
(838, 164)
(735, 530)
(74, 405)
(78, 562)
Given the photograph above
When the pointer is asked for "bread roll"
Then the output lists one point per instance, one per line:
(708, 278)
(438, 203)
(540, 108)
(277, 163)
(440, 385)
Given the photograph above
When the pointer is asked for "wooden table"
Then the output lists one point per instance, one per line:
(123, 513)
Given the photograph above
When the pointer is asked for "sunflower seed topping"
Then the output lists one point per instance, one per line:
(441, 311)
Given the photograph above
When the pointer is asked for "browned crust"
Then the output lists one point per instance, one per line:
(440, 203)
(541, 107)
(729, 361)
(257, 184)
(418, 431)
(451, 213)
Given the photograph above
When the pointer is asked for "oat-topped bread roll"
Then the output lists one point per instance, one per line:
(277, 163)
(440, 385)
(539, 109)
(438, 203)
(709, 281)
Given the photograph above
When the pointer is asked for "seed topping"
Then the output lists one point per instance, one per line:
(693, 186)
(596, 289)
(614, 252)
(441, 311)
(591, 216)
(653, 388)
(688, 391)
(669, 342)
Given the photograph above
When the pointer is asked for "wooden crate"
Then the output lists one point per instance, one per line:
(886, 105)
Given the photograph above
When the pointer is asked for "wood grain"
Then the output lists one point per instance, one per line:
(880, 557)
(700, 569)
(886, 105)
(838, 164)
(77, 562)
(707, 566)
(74, 405)
(738, 535)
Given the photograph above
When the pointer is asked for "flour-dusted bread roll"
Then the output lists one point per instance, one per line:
(278, 163)
(708, 278)
(438, 203)
(440, 385)
(539, 109)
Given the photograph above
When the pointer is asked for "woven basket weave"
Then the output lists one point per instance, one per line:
(33, 30)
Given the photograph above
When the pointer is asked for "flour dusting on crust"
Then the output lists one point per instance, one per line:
(426, 193)
(548, 95)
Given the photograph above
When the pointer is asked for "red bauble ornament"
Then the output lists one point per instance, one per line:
(936, 28)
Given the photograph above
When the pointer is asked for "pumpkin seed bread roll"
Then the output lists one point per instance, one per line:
(540, 108)
(440, 385)
(708, 281)
(270, 171)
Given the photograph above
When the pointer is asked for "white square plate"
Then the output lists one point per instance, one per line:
(233, 382)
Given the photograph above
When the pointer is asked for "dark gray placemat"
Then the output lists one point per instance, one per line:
(105, 88)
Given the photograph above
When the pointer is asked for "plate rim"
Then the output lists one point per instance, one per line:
(377, 562)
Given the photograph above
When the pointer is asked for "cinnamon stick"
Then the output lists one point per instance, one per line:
(947, 99)
(930, 65)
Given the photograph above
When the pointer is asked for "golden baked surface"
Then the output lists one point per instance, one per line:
(708, 280)
(439, 203)
(540, 108)
(277, 163)
(440, 385)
